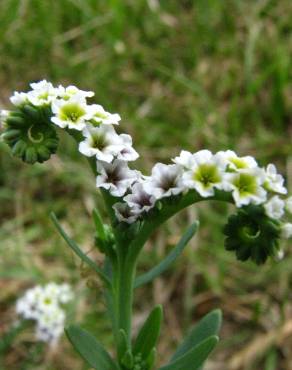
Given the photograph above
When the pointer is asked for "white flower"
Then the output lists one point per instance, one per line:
(289, 204)
(286, 230)
(139, 200)
(115, 177)
(43, 93)
(127, 153)
(43, 305)
(185, 159)
(100, 116)
(246, 186)
(72, 113)
(206, 173)
(125, 213)
(19, 98)
(50, 326)
(274, 181)
(275, 207)
(234, 162)
(66, 93)
(165, 180)
(102, 142)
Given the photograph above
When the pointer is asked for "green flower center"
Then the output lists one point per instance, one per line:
(246, 184)
(47, 301)
(44, 95)
(71, 112)
(207, 174)
(238, 163)
(100, 115)
(99, 142)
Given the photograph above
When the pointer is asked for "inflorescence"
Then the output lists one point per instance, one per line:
(43, 305)
(258, 193)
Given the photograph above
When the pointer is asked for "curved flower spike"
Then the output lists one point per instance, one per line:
(29, 134)
(252, 234)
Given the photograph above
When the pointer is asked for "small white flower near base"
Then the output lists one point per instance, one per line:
(165, 181)
(275, 207)
(115, 177)
(72, 113)
(125, 213)
(43, 305)
(246, 186)
(102, 142)
(102, 117)
(286, 230)
(274, 181)
(206, 173)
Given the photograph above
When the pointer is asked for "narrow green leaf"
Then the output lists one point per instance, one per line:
(148, 335)
(98, 224)
(79, 252)
(194, 358)
(90, 349)
(172, 256)
(207, 326)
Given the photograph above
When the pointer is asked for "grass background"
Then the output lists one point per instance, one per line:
(183, 75)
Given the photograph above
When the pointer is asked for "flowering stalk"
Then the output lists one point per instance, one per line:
(137, 205)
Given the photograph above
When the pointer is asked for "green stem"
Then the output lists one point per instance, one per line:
(123, 292)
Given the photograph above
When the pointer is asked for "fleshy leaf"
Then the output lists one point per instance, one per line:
(148, 335)
(194, 358)
(90, 349)
(172, 256)
(207, 326)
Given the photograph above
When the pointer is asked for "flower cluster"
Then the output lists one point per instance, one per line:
(30, 130)
(43, 304)
(206, 174)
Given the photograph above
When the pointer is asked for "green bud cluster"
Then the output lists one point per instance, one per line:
(252, 234)
(30, 133)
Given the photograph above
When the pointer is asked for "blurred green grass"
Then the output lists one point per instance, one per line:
(183, 75)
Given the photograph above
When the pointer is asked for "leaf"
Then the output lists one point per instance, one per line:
(170, 258)
(194, 358)
(79, 252)
(207, 326)
(90, 349)
(148, 334)
(98, 224)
